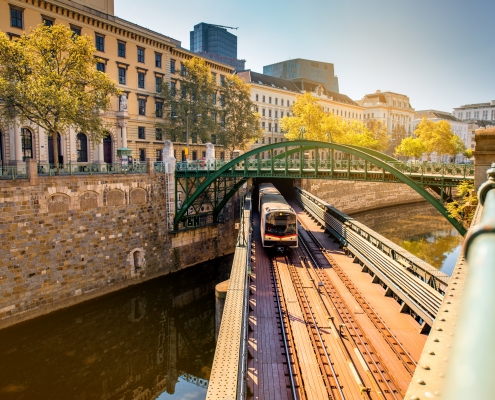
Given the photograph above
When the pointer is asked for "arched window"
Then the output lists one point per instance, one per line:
(107, 149)
(82, 147)
(26, 143)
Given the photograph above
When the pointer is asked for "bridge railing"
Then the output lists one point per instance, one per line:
(13, 172)
(472, 359)
(46, 169)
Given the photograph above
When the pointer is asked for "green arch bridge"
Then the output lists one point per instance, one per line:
(202, 189)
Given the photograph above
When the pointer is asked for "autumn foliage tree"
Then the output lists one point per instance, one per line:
(310, 122)
(49, 78)
(410, 147)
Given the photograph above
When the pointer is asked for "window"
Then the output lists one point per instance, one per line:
(276, 114)
(468, 115)
(263, 139)
(269, 113)
(269, 140)
(182, 69)
(158, 155)
(141, 80)
(122, 72)
(281, 114)
(222, 80)
(159, 109)
(158, 134)
(172, 66)
(16, 17)
(276, 127)
(281, 102)
(263, 112)
(222, 155)
(121, 49)
(214, 98)
(263, 125)
(82, 147)
(269, 127)
(173, 88)
(158, 83)
(476, 114)
(141, 132)
(263, 99)
(100, 43)
(222, 100)
(485, 114)
(158, 60)
(214, 117)
(270, 100)
(213, 139)
(142, 106)
(493, 115)
(194, 155)
(75, 30)
(276, 101)
(142, 155)
(257, 98)
(26, 144)
(140, 54)
(47, 21)
(100, 66)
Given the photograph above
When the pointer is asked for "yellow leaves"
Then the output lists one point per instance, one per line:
(438, 137)
(410, 147)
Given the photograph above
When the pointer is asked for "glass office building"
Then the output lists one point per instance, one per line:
(216, 43)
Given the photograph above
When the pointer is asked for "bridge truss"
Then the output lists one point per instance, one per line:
(203, 189)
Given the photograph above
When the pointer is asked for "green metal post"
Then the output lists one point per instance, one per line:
(301, 158)
(332, 158)
(271, 161)
(349, 167)
(175, 199)
(316, 161)
(286, 162)
(365, 169)
(258, 162)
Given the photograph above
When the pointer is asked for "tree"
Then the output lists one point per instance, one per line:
(49, 78)
(410, 147)
(241, 122)
(190, 104)
(468, 153)
(398, 135)
(438, 137)
(309, 121)
(464, 207)
(379, 132)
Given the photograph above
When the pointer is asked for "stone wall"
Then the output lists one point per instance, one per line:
(354, 196)
(68, 239)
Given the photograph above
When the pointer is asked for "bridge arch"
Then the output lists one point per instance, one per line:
(374, 157)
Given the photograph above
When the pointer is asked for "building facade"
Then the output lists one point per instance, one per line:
(216, 43)
(136, 58)
(274, 98)
(394, 110)
(302, 71)
(477, 112)
(459, 128)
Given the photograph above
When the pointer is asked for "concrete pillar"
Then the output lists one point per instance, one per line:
(220, 296)
(32, 171)
(124, 135)
(484, 154)
(71, 139)
(15, 145)
(100, 157)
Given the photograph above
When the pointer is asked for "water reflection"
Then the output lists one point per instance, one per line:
(155, 339)
(420, 229)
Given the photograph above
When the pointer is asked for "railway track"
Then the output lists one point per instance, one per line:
(402, 354)
(383, 381)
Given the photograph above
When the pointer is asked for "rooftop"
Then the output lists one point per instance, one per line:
(435, 114)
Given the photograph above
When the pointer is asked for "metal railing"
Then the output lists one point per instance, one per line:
(472, 360)
(91, 169)
(12, 172)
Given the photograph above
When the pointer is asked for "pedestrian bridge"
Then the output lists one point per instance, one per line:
(203, 188)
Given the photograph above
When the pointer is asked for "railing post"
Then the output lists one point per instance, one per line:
(32, 171)
(316, 161)
(301, 159)
(286, 162)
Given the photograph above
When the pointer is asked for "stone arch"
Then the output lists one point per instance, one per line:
(137, 262)
(138, 196)
(58, 202)
(88, 200)
(115, 197)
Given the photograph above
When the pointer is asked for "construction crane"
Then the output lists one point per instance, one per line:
(221, 26)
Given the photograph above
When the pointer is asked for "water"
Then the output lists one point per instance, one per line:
(154, 340)
(420, 229)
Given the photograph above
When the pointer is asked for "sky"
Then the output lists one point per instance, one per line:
(440, 53)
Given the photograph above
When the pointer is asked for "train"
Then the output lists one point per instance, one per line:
(278, 221)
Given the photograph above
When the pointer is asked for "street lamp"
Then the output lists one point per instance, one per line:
(187, 133)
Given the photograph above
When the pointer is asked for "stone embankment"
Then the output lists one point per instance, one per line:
(66, 239)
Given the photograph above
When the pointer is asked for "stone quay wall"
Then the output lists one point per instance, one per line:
(66, 239)
(357, 196)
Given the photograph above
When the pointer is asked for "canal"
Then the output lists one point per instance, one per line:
(420, 229)
(149, 341)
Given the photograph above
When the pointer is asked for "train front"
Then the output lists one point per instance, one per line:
(280, 229)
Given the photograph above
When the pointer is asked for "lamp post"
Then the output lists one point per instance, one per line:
(187, 133)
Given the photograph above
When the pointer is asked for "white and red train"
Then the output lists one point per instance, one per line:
(278, 220)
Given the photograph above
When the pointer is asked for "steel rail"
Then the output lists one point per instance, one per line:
(281, 314)
(347, 318)
(302, 295)
(403, 355)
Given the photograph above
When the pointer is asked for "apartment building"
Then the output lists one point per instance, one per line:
(136, 58)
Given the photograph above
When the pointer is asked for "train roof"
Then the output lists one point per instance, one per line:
(275, 202)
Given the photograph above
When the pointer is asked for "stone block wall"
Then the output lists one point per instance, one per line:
(68, 239)
(355, 196)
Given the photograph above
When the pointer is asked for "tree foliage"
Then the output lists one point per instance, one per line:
(410, 147)
(309, 121)
(465, 207)
(437, 137)
(241, 124)
(379, 131)
(192, 100)
(399, 133)
(49, 78)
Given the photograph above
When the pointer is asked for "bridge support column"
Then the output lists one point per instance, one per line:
(484, 154)
(220, 296)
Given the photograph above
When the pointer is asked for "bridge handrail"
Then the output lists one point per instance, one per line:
(472, 359)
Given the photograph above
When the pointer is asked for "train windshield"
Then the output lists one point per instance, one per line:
(279, 223)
